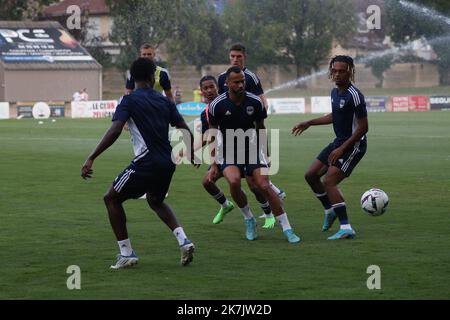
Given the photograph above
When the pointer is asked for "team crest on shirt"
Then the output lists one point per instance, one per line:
(250, 110)
(341, 103)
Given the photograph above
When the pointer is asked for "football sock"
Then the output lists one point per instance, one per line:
(225, 204)
(284, 221)
(323, 198)
(341, 211)
(180, 235)
(266, 208)
(246, 212)
(220, 198)
(125, 247)
(274, 188)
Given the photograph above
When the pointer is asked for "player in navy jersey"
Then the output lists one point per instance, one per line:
(208, 86)
(162, 78)
(238, 56)
(148, 114)
(240, 111)
(340, 157)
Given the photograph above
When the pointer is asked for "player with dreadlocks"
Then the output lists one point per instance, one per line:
(339, 158)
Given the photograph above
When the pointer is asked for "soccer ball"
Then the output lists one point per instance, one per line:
(374, 202)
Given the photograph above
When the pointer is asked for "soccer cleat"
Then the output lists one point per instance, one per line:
(328, 220)
(343, 234)
(291, 236)
(250, 229)
(187, 251)
(125, 261)
(222, 212)
(269, 223)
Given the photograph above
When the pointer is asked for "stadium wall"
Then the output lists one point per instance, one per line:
(34, 85)
(402, 75)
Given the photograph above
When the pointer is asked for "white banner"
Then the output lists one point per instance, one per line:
(287, 105)
(4, 110)
(93, 109)
(321, 104)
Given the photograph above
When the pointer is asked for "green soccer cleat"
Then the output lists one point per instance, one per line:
(222, 212)
(343, 234)
(269, 223)
(328, 220)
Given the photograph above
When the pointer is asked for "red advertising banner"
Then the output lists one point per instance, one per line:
(400, 104)
(410, 103)
(418, 103)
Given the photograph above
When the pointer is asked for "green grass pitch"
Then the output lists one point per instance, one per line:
(51, 219)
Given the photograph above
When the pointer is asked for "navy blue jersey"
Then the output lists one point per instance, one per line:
(346, 107)
(225, 114)
(162, 80)
(204, 120)
(252, 83)
(148, 114)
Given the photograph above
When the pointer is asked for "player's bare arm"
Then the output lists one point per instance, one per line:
(302, 126)
(191, 154)
(169, 95)
(362, 127)
(264, 101)
(108, 139)
(198, 144)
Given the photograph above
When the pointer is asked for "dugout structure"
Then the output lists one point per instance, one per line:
(41, 61)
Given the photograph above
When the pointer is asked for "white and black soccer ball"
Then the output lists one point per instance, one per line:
(374, 202)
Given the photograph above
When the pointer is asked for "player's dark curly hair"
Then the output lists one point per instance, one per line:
(234, 69)
(143, 69)
(206, 78)
(348, 60)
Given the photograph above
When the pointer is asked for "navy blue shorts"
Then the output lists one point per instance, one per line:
(245, 169)
(133, 182)
(349, 159)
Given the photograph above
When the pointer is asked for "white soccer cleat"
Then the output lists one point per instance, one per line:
(125, 261)
(187, 251)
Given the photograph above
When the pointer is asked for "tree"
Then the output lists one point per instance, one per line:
(255, 25)
(312, 25)
(22, 9)
(290, 31)
(199, 37)
(140, 21)
(379, 65)
(407, 23)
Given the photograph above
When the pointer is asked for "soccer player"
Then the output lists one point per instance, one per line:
(231, 111)
(162, 78)
(337, 161)
(208, 86)
(148, 114)
(238, 56)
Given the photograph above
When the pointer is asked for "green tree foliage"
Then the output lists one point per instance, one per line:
(290, 31)
(140, 21)
(22, 9)
(199, 36)
(379, 65)
(405, 24)
(256, 25)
